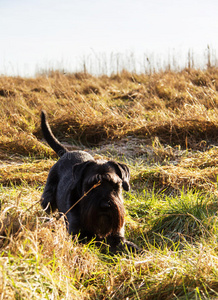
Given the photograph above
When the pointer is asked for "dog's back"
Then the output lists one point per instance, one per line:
(60, 175)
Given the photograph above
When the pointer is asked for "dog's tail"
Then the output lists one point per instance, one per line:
(50, 138)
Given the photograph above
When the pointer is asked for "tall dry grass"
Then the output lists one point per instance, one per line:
(176, 107)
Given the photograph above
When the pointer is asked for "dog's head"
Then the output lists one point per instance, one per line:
(100, 186)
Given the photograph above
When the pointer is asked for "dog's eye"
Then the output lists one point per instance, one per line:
(92, 181)
(95, 179)
(117, 186)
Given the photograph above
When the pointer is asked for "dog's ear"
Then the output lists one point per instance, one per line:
(78, 173)
(123, 172)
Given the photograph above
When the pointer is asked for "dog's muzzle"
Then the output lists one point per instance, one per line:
(104, 218)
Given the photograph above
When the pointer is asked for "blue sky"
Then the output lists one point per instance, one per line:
(38, 34)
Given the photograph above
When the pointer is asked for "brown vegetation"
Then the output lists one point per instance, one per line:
(179, 108)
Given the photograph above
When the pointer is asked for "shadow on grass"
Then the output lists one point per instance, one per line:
(185, 222)
(172, 221)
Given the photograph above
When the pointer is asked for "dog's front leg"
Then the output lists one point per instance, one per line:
(74, 227)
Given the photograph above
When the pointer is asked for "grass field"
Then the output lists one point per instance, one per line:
(164, 126)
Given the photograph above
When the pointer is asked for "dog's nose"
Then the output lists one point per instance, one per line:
(105, 204)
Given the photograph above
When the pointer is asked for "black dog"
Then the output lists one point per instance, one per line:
(89, 192)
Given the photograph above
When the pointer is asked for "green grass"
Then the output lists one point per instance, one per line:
(178, 234)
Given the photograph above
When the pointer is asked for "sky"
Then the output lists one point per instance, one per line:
(49, 34)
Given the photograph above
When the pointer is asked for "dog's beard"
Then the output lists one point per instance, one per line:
(102, 223)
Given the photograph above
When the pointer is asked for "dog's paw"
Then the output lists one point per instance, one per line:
(125, 246)
(131, 247)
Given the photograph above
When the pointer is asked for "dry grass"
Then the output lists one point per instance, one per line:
(179, 108)
(165, 127)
